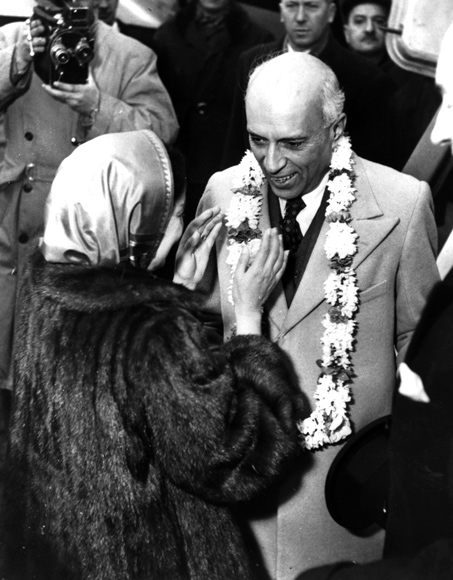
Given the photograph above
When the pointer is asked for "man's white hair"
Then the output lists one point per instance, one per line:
(331, 94)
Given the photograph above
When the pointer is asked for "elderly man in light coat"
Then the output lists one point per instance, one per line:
(356, 282)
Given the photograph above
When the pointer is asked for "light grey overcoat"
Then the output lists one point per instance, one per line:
(396, 269)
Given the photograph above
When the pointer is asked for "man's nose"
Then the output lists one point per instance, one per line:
(369, 25)
(442, 132)
(300, 15)
(273, 160)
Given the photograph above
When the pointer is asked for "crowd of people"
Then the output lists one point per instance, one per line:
(191, 334)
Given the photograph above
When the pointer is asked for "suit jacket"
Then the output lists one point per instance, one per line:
(395, 266)
(368, 93)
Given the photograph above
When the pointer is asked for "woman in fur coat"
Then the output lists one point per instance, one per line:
(131, 436)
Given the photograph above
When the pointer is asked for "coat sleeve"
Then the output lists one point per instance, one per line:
(417, 271)
(223, 425)
(9, 37)
(142, 102)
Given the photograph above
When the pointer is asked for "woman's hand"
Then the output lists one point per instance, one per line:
(195, 246)
(253, 283)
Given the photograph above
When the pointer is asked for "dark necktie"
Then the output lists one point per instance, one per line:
(292, 236)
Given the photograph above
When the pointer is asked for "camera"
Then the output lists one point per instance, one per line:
(70, 45)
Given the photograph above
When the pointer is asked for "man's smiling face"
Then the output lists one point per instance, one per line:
(287, 131)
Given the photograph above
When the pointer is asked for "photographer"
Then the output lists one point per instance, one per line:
(44, 123)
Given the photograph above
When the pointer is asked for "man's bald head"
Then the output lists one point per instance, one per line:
(297, 79)
(294, 119)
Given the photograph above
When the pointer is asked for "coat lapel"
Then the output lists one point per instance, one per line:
(371, 226)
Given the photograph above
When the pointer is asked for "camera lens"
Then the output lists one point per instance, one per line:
(58, 52)
(83, 51)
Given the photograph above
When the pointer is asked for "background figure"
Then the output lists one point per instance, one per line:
(198, 51)
(131, 435)
(419, 529)
(368, 91)
(364, 21)
(296, 124)
(416, 99)
(44, 124)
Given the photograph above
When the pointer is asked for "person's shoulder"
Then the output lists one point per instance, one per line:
(219, 188)
(242, 25)
(395, 191)
(342, 60)
(12, 30)
(110, 38)
(262, 51)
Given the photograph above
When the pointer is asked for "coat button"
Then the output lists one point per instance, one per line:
(201, 108)
(23, 238)
(27, 187)
(29, 136)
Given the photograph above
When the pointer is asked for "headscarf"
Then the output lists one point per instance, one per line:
(110, 202)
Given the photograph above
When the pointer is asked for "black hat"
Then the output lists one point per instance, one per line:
(348, 5)
(358, 480)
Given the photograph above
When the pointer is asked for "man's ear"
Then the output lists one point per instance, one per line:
(332, 11)
(346, 33)
(338, 128)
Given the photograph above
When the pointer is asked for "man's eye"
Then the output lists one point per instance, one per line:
(295, 144)
(358, 20)
(256, 140)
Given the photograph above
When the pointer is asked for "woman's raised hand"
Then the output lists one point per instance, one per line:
(195, 246)
(254, 282)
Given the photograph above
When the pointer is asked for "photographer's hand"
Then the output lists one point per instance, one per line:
(81, 98)
(33, 41)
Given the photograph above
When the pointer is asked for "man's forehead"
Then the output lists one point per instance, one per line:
(305, 2)
(367, 7)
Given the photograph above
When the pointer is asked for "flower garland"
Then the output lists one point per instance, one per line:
(329, 422)
(243, 216)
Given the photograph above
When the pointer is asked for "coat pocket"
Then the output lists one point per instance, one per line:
(373, 292)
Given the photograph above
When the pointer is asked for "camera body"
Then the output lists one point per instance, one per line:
(70, 45)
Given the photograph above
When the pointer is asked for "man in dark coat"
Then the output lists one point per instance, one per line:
(419, 528)
(416, 99)
(198, 52)
(367, 90)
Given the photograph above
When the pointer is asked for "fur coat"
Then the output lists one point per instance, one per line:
(131, 437)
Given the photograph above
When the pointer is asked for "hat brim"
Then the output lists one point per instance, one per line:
(357, 483)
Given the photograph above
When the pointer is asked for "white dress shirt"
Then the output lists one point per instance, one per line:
(312, 202)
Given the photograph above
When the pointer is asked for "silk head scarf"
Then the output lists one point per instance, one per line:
(110, 202)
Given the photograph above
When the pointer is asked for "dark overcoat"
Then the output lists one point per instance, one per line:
(368, 93)
(131, 437)
(199, 75)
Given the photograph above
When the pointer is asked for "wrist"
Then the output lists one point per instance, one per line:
(88, 118)
(248, 323)
(184, 282)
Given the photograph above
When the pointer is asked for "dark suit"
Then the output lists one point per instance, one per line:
(419, 538)
(199, 75)
(367, 90)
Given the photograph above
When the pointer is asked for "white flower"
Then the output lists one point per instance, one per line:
(340, 240)
(329, 422)
(249, 173)
(341, 158)
(243, 207)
